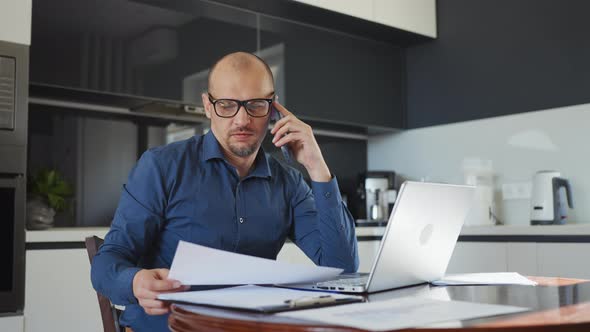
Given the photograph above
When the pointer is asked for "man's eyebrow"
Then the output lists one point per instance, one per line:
(271, 93)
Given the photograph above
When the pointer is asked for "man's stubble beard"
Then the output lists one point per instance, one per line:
(245, 151)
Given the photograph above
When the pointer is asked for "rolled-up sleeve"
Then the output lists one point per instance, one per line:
(136, 223)
(323, 227)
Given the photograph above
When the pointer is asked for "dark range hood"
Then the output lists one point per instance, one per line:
(155, 111)
(113, 104)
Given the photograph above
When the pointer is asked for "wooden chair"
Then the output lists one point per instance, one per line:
(109, 314)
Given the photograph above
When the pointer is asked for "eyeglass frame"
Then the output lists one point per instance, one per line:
(241, 103)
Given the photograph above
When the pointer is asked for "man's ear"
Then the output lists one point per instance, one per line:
(206, 105)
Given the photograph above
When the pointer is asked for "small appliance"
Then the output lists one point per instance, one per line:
(550, 197)
(379, 194)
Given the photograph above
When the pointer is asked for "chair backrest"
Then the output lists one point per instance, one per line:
(110, 321)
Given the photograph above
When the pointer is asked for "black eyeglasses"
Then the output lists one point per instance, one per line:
(228, 108)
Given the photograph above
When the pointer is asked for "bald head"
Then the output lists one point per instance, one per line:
(238, 63)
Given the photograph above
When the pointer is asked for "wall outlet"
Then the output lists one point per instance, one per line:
(521, 190)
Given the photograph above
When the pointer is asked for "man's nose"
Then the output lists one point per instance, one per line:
(242, 117)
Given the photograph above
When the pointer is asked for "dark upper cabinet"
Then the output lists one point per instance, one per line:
(135, 47)
(164, 49)
(334, 77)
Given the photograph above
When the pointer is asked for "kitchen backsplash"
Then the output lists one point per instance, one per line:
(518, 146)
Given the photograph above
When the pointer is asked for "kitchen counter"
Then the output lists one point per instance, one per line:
(549, 230)
(61, 237)
(65, 234)
(73, 237)
(78, 234)
(570, 233)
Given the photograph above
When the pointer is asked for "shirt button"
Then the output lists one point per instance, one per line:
(328, 194)
(241, 220)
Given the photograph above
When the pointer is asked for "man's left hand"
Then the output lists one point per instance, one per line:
(299, 137)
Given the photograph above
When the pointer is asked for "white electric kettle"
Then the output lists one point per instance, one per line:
(550, 197)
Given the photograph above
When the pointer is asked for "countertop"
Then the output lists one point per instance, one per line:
(549, 230)
(77, 234)
(65, 234)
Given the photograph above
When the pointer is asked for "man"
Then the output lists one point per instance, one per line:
(222, 191)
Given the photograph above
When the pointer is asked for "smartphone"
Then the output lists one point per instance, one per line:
(276, 116)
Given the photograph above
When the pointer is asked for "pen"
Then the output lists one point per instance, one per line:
(307, 301)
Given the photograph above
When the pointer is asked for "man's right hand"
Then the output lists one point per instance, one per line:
(147, 284)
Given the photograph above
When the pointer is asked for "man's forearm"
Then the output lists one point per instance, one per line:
(319, 172)
(327, 236)
(112, 276)
(338, 239)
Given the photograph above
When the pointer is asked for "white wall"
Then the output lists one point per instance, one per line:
(519, 145)
(15, 21)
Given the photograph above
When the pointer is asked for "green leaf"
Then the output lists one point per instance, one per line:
(51, 178)
(62, 188)
(56, 202)
(52, 187)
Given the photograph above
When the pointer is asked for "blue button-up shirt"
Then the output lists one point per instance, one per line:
(188, 191)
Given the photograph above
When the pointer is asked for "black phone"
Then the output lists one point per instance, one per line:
(276, 116)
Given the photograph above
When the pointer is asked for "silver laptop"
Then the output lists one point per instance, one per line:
(419, 240)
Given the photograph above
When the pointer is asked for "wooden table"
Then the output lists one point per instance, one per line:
(557, 304)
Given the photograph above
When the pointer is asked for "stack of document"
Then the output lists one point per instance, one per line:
(194, 264)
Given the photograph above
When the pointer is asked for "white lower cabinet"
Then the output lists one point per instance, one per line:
(522, 258)
(568, 260)
(12, 324)
(58, 292)
(471, 257)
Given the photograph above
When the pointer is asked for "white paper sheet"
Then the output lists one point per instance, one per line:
(199, 265)
(401, 313)
(246, 297)
(499, 278)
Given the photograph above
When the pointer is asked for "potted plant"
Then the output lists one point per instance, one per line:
(47, 195)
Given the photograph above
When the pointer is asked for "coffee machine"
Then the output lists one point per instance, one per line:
(377, 191)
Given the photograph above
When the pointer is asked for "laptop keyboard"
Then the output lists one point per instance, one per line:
(345, 282)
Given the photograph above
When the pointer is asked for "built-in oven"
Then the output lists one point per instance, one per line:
(14, 81)
(12, 242)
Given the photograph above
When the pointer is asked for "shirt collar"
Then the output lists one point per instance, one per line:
(211, 147)
(212, 150)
